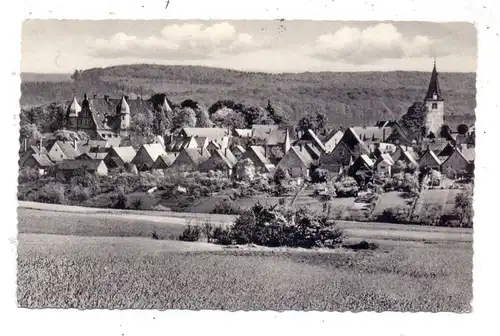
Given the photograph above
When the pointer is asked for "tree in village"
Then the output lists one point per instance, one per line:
(315, 122)
(277, 114)
(245, 170)
(30, 132)
(445, 131)
(256, 115)
(463, 208)
(414, 118)
(184, 117)
(142, 124)
(462, 129)
(227, 117)
(202, 118)
(66, 135)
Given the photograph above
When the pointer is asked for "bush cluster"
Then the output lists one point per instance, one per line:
(280, 226)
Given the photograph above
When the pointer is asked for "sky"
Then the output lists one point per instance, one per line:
(61, 46)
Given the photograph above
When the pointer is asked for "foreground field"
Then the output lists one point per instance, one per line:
(415, 268)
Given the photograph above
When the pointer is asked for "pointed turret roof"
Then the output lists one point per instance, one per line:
(166, 106)
(434, 89)
(123, 106)
(74, 108)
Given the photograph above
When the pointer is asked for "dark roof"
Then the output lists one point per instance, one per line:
(42, 159)
(434, 88)
(90, 165)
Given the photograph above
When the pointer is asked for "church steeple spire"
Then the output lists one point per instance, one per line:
(434, 91)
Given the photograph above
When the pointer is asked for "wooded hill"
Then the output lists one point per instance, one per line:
(346, 98)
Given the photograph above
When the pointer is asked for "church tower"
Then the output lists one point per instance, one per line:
(73, 111)
(434, 118)
(123, 110)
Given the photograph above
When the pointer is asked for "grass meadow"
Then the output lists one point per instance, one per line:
(96, 260)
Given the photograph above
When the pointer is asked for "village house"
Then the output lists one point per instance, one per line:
(297, 162)
(208, 133)
(92, 156)
(405, 154)
(40, 161)
(165, 161)
(97, 167)
(338, 159)
(147, 155)
(30, 151)
(430, 160)
(361, 168)
(238, 151)
(383, 164)
(60, 151)
(332, 140)
(310, 138)
(457, 163)
(219, 160)
(190, 158)
(372, 134)
(257, 155)
(119, 156)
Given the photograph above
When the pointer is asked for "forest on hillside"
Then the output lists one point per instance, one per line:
(355, 98)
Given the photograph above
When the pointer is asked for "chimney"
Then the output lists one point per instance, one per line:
(301, 146)
(383, 134)
(201, 151)
(40, 146)
(75, 144)
(25, 144)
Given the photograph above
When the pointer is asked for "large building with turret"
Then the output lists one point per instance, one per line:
(434, 118)
(99, 123)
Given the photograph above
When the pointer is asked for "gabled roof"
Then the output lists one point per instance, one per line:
(239, 148)
(154, 150)
(67, 148)
(43, 160)
(310, 136)
(92, 156)
(372, 132)
(126, 154)
(459, 153)
(447, 150)
(243, 132)
(314, 151)
(206, 132)
(196, 155)
(89, 165)
(332, 140)
(259, 153)
(221, 157)
(358, 140)
(164, 161)
(303, 155)
(385, 157)
(366, 160)
(468, 153)
(408, 155)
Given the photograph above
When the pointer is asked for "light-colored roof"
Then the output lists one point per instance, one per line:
(367, 160)
(206, 132)
(126, 154)
(332, 140)
(243, 132)
(303, 155)
(42, 159)
(385, 157)
(434, 156)
(92, 156)
(259, 152)
(74, 108)
(123, 106)
(165, 160)
(68, 149)
(410, 157)
(154, 150)
(468, 153)
(372, 132)
(240, 148)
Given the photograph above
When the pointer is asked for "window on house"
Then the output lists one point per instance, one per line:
(434, 106)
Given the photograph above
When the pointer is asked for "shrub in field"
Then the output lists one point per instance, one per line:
(398, 214)
(280, 226)
(136, 204)
(432, 215)
(346, 187)
(222, 236)
(79, 194)
(191, 233)
(52, 192)
(28, 174)
(226, 207)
